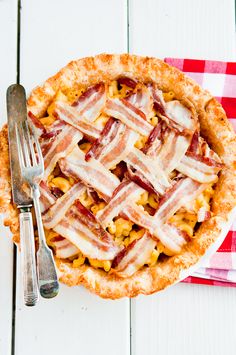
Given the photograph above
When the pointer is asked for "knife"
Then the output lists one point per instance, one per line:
(17, 113)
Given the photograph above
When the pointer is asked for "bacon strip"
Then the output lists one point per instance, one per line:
(93, 195)
(129, 115)
(203, 214)
(153, 142)
(182, 192)
(49, 136)
(180, 116)
(119, 148)
(194, 145)
(46, 197)
(60, 147)
(133, 257)
(199, 168)
(107, 135)
(115, 142)
(173, 112)
(92, 173)
(90, 104)
(158, 100)
(87, 235)
(35, 124)
(142, 100)
(140, 180)
(171, 237)
(207, 152)
(140, 217)
(65, 249)
(126, 191)
(153, 173)
(172, 150)
(69, 114)
(124, 80)
(56, 192)
(56, 213)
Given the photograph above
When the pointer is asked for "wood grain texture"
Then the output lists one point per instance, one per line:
(55, 32)
(52, 34)
(194, 29)
(185, 319)
(75, 322)
(8, 39)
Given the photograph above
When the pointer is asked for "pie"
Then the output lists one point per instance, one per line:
(140, 172)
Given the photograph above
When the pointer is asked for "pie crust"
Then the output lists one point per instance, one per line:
(214, 127)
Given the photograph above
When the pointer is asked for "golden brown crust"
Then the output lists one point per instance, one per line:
(6, 205)
(216, 129)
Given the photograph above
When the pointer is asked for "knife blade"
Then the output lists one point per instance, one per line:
(17, 113)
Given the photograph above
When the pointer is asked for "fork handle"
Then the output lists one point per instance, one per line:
(47, 275)
(28, 263)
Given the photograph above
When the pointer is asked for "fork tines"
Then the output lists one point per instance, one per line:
(30, 154)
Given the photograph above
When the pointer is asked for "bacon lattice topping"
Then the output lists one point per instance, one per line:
(132, 258)
(65, 249)
(174, 164)
(129, 115)
(91, 172)
(67, 113)
(90, 104)
(182, 192)
(82, 229)
(47, 199)
(55, 214)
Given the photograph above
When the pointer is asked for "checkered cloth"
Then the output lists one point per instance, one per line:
(220, 79)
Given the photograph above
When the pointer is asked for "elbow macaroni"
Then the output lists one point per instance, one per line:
(85, 147)
(98, 207)
(60, 182)
(123, 227)
(47, 121)
(86, 200)
(153, 201)
(79, 260)
(101, 264)
(140, 142)
(185, 221)
(154, 121)
(168, 96)
(143, 200)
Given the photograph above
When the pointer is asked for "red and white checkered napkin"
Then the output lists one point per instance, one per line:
(220, 79)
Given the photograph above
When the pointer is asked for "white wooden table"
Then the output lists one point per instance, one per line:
(185, 319)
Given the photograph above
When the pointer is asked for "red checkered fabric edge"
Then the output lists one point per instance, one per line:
(220, 79)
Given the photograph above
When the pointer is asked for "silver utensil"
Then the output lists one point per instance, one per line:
(32, 169)
(16, 110)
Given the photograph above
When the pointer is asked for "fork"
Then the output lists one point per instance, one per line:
(32, 169)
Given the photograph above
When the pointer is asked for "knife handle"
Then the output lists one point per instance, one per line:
(28, 263)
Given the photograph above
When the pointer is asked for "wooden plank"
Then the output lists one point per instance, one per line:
(8, 40)
(74, 322)
(194, 29)
(54, 33)
(186, 319)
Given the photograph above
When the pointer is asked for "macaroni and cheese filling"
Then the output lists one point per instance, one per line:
(126, 231)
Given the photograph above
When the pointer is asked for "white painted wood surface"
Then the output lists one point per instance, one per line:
(202, 29)
(8, 40)
(52, 34)
(186, 319)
